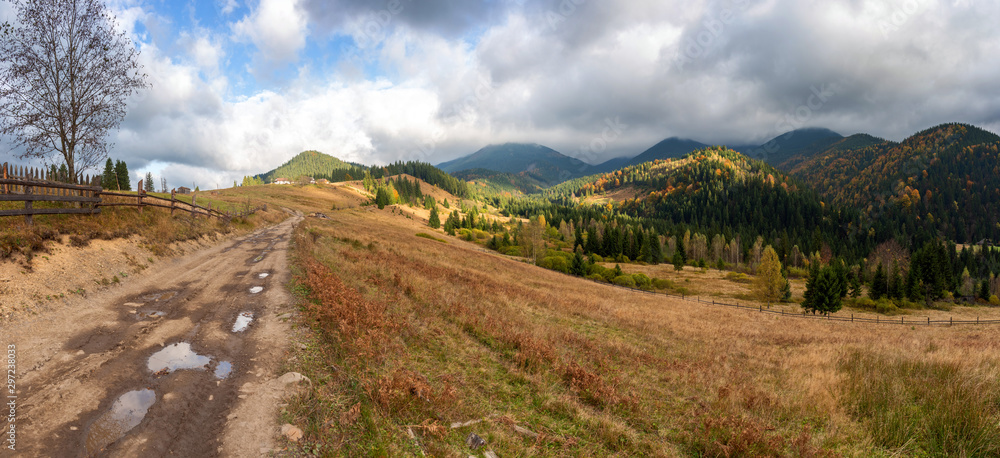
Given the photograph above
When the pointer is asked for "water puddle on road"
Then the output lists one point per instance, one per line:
(263, 275)
(243, 321)
(256, 289)
(223, 370)
(126, 412)
(144, 314)
(164, 296)
(176, 357)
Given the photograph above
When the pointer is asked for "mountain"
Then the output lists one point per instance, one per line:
(541, 163)
(942, 181)
(308, 163)
(499, 182)
(612, 164)
(794, 146)
(716, 187)
(672, 147)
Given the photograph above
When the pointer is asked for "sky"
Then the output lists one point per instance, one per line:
(238, 87)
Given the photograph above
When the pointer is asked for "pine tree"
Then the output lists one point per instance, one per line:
(984, 290)
(768, 283)
(434, 221)
(880, 286)
(108, 178)
(810, 294)
(147, 183)
(122, 180)
(578, 267)
(895, 284)
(655, 249)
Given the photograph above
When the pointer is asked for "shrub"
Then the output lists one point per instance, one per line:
(798, 272)
(659, 283)
(511, 251)
(597, 277)
(624, 280)
(642, 281)
(557, 263)
(994, 300)
(885, 307)
(864, 303)
(737, 277)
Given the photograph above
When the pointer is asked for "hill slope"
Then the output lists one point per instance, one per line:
(669, 148)
(308, 163)
(944, 180)
(542, 163)
(799, 143)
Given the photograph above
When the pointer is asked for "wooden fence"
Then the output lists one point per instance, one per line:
(19, 184)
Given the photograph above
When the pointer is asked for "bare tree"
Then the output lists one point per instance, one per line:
(65, 75)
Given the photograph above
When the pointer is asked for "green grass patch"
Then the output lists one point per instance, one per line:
(430, 237)
(923, 408)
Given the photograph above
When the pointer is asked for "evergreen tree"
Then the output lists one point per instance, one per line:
(445, 203)
(655, 249)
(984, 290)
(108, 178)
(895, 285)
(382, 197)
(577, 238)
(121, 176)
(593, 245)
(823, 292)
(147, 183)
(434, 221)
(578, 267)
(808, 297)
(854, 283)
(678, 260)
(880, 286)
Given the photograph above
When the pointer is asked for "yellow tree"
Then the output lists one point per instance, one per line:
(769, 281)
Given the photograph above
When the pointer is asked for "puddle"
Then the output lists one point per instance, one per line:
(263, 275)
(223, 369)
(256, 289)
(142, 315)
(258, 258)
(165, 296)
(243, 321)
(176, 357)
(126, 412)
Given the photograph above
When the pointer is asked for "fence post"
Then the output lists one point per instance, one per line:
(928, 321)
(28, 219)
(951, 321)
(852, 318)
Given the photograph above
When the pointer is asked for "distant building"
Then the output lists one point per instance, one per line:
(183, 190)
(323, 181)
(282, 181)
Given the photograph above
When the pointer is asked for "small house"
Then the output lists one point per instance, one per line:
(183, 190)
(323, 181)
(282, 181)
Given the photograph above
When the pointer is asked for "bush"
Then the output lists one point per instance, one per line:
(556, 263)
(994, 300)
(885, 307)
(737, 277)
(624, 280)
(798, 272)
(642, 281)
(465, 234)
(659, 283)
(511, 250)
(864, 303)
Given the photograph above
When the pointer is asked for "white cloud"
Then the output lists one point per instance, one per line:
(278, 29)
(228, 6)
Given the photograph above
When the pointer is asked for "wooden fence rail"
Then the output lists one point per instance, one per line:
(20, 184)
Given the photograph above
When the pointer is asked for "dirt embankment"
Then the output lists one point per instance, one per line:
(182, 359)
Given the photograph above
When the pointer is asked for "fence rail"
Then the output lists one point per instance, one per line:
(19, 184)
(914, 321)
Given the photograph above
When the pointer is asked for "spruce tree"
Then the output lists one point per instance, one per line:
(122, 180)
(895, 284)
(984, 290)
(655, 249)
(108, 177)
(434, 221)
(578, 267)
(880, 286)
(147, 183)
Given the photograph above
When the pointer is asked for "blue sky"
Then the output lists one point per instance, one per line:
(238, 86)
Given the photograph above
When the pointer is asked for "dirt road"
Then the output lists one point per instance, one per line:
(183, 362)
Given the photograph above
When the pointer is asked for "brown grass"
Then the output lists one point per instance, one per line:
(422, 334)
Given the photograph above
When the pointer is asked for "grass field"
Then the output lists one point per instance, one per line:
(410, 335)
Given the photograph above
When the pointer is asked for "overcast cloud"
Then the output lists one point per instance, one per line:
(240, 87)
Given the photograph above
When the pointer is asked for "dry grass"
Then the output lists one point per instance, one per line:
(453, 334)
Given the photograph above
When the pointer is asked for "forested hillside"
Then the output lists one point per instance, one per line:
(943, 180)
(308, 163)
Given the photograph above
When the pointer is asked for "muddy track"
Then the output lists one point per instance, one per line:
(159, 367)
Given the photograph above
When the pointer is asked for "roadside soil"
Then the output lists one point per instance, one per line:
(103, 353)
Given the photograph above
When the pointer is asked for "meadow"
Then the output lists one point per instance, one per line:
(415, 344)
